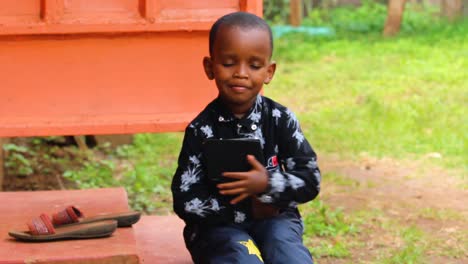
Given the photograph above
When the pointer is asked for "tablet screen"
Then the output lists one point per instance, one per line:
(229, 155)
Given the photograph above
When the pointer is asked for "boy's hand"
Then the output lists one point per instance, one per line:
(248, 183)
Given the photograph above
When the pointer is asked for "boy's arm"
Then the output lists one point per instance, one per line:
(194, 198)
(300, 180)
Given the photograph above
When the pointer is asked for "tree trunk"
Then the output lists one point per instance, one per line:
(465, 9)
(394, 17)
(295, 17)
(452, 8)
(315, 3)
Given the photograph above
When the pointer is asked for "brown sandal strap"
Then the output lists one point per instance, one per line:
(41, 225)
(69, 215)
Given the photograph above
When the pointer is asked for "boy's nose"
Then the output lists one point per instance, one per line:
(241, 72)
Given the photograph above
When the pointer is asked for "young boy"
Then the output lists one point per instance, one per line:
(253, 219)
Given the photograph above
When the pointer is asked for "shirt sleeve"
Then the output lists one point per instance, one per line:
(194, 199)
(298, 181)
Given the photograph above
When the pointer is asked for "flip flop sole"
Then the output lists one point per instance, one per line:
(30, 238)
(124, 219)
(77, 231)
(72, 215)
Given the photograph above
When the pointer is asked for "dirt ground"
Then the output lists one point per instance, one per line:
(409, 194)
(405, 193)
(42, 158)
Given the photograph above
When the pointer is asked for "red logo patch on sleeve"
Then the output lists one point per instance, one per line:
(272, 162)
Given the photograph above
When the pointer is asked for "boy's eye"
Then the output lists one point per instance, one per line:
(228, 64)
(255, 66)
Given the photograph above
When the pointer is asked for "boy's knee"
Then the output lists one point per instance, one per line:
(280, 230)
(280, 239)
(236, 249)
(279, 248)
(277, 241)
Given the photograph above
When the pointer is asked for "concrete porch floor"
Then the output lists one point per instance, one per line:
(154, 239)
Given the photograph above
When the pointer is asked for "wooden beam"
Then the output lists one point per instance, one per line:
(252, 6)
(52, 10)
(81, 142)
(151, 10)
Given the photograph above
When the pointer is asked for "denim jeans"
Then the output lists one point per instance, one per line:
(271, 241)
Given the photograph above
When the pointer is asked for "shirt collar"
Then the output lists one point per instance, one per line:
(254, 114)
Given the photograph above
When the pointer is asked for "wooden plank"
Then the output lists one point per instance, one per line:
(72, 16)
(52, 10)
(90, 85)
(151, 10)
(160, 240)
(252, 6)
(19, 207)
(97, 83)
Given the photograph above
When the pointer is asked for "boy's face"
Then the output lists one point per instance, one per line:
(240, 65)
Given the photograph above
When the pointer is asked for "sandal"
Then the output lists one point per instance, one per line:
(72, 215)
(41, 229)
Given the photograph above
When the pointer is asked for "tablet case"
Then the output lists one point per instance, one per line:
(229, 155)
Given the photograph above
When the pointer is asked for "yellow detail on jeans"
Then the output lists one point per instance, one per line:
(252, 248)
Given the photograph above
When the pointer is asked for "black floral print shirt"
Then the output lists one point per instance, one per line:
(294, 176)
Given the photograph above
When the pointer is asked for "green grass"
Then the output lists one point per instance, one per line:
(340, 180)
(334, 234)
(402, 97)
(145, 169)
(326, 230)
(440, 214)
(320, 220)
(413, 248)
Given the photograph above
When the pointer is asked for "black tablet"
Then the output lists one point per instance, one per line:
(229, 155)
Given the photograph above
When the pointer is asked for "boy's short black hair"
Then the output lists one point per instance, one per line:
(242, 20)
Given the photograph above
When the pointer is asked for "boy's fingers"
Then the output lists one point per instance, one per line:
(234, 175)
(231, 185)
(232, 191)
(239, 198)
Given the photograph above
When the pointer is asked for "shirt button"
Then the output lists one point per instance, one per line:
(267, 198)
(254, 127)
(221, 119)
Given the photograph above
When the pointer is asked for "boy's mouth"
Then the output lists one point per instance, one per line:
(238, 88)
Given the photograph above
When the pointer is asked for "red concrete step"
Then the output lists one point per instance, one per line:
(159, 240)
(16, 208)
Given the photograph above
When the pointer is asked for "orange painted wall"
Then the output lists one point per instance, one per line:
(110, 67)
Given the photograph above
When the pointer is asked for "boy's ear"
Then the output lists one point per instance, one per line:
(208, 66)
(270, 72)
